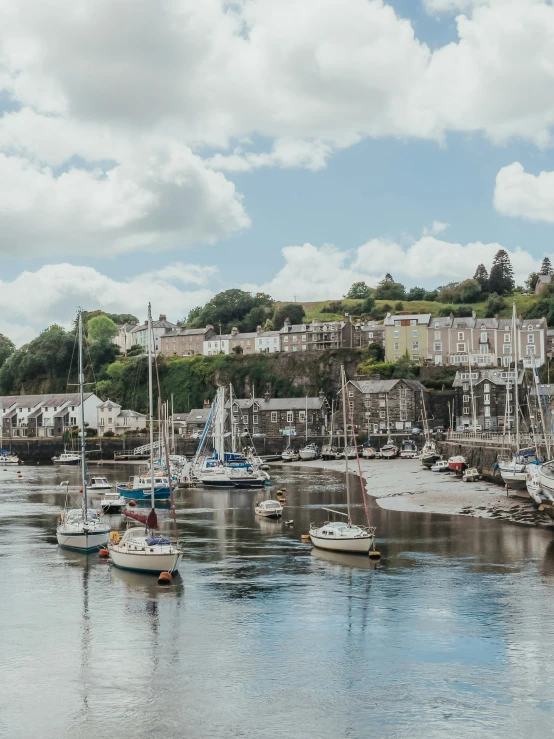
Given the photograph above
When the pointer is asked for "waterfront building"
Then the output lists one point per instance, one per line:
(195, 420)
(45, 416)
(112, 418)
(185, 342)
(491, 393)
(280, 416)
(370, 401)
(161, 327)
(317, 335)
(486, 342)
(406, 335)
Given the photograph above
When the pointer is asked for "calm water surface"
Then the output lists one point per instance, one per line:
(450, 635)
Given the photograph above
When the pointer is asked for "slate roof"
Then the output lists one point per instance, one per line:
(109, 404)
(368, 387)
(490, 375)
(282, 404)
(419, 317)
(131, 414)
(30, 401)
(198, 415)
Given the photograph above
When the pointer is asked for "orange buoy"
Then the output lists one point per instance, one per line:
(165, 578)
(80, 490)
(104, 552)
(305, 537)
(132, 502)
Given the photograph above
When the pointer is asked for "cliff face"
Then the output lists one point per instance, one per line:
(191, 380)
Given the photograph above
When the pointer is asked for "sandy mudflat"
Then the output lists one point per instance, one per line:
(404, 485)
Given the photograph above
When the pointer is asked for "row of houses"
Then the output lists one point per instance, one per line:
(479, 342)
(49, 416)
(171, 340)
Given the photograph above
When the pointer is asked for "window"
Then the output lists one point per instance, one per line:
(350, 394)
(465, 387)
(367, 403)
(397, 334)
(487, 412)
(382, 404)
(530, 338)
(303, 337)
(466, 410)
(460, 335)
(507, 338)
(302, 416)
(483, 349)
(396, 346)
(403, 392)
(415, 345)
(273, 416)
(255, 420)
(413, 322)
(415, 357)
(506, 349)
(110, 420)
(530, 349)
(487, 387)
(290, 416)
(102, 422)
(437, 335)
(414, 333)
(483, 335)
(370, 334)
(295, 338)
(438, 346)
(294, 348)
(382, 414)
(460, 347)
(245, 419)
(397, 323)
(396, 357)
(466, 399)
(403, 404)
(403, 416)
(487, 399)
(285, 339)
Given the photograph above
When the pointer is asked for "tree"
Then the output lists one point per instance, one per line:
(388, 289)
(358, 290)
(470, 291)
(482, 277)
(432, 295)
(379, 312)
(368, 305)
(399, 306)
(416, 293)
(233, 308)
(6, 348)
(501, 279)
(101, 329)
(494, 305)
(294, 311)
(531, 281)
(546, 267)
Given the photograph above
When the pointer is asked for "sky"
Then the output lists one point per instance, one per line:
(166, 151)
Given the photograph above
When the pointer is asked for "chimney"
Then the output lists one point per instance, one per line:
(266, 396)
(259, 329)
(163, 317)
(321, 395)
(207, 403)
(208, 325)
(234, 331)
(473, 314)
(347, 317)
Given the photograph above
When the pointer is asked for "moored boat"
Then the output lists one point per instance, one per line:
(514, 471)
(368, 452)
(112, 502)
(138, 488)
(457, 463)
(408, 449)
(290, 455)
(329, 452)
(269, 509)
(389, 450)
(7, 457)
(67, 458)
(310, 451)
(471, 474)
(99, 482)
(441, 465)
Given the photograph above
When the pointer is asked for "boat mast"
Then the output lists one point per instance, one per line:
(516, 372)
(389, 437)
(331, 429)
(343, 380)
(306, 419)
(233, 430)
(83, 433)
(151, 405)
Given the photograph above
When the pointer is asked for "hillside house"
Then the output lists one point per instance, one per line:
(371, 402)
(112, 418)
(489, 396)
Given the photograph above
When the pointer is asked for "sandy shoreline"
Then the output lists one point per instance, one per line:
(404, 485)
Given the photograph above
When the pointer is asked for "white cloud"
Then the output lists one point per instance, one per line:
(452, 6)
(325, 273)
(518, 193)
(435, 229)
(51, 294)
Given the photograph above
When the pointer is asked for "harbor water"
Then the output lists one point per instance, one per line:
(450, 634)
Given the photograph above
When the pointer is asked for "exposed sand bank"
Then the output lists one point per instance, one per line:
(404, 485)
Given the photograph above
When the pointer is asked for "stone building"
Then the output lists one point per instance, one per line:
(489, 396)
(251, 342)
(371, 401)
(368, 333)
(185, 342)
(280, 416)
(161, 327)
(196, 419)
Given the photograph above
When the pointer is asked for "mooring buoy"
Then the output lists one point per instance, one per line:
(165, 578)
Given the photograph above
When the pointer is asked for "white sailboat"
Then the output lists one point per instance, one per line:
(429, 454)
(141, 549)
(81, 529)
(389, 450)
(343, 536)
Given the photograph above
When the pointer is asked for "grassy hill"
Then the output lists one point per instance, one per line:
(316, 309)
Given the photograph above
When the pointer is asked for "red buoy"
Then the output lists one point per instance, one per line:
(132, 502)
(165, 578)
(104, 552)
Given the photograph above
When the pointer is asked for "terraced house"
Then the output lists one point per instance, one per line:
(280, 416)
(406, 335)
(487, 397)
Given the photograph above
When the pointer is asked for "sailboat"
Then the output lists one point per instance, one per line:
(429, 454)
(389, 450)
(80, 528)
(141, 548)
(514, 470)
(343, 536)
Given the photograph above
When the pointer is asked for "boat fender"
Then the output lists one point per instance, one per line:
(104, 553)
(129, 486)
(114, 536)
(305, 537)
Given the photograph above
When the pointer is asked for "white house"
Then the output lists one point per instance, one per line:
(217, 345)
(267, 341)
(139, 334)
(125, 338)
(111, 417)
(45, 415)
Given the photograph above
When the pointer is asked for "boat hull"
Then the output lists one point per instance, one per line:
(516, 480)
(80, 542)
(429, 460)
(143, 493)
(307, 456)
(151, 564)
(358, 545)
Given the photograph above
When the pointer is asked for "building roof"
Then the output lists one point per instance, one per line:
(130, 414)
(419, 317)
(283, 404)
(187, 332)
(30, 401)
(109, 404)
(368, 387)
(180, 416)
(497, 376)
(198, 415)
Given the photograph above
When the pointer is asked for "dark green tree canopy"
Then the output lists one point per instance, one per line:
(358, 290)
(501, 279)
(546, 267)
(233, 308)
(388, 289)
(416, 293)
(494, 305)
(482, 277)
(6, 348)
(531, 281)
(294, 311)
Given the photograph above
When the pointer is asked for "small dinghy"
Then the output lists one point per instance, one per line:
(440, 465)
